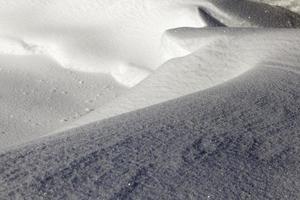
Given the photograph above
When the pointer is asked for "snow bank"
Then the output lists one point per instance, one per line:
(224, 54)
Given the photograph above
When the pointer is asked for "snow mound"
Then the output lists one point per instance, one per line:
(220, 54)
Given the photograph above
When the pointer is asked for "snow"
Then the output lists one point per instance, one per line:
(67, 63)
(85, 53)
(222, 55)
(41, 96)
(141, 89)
(94, 36)
(238, 140)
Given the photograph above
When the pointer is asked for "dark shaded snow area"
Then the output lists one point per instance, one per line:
(239, 140)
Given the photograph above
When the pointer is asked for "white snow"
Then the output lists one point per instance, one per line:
(92, 35)
(62, 59)
(224, 54)
(66, 63)
(38, 96)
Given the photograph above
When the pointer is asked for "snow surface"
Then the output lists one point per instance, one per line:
(239, 140)
(38, 96)
(61, 60)
(94, 36)
(220, 54)
(91, 73)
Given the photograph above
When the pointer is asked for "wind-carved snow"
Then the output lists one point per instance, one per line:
(243, 127)
(60, 60)
(127, 40)
(100, 35)
(223, 54)
(121, 38)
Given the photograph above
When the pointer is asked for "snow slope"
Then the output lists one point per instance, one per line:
(147, 102)
(239, 140)
(61, 60)
(220, 54)
(109, 36)
(38, 96)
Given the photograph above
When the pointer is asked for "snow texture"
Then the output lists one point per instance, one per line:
(239, 140)
(150, 99)
(220, 54)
